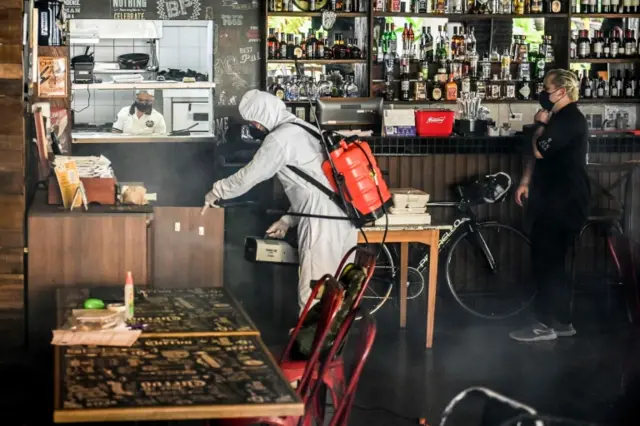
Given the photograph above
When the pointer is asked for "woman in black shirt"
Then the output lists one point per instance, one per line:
(556, 184)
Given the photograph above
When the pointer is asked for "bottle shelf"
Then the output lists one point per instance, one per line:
(484, 101)
(604, 60)
(604, 15)
(317, 61)
(609, 101)
(313, 14)
(467, 16)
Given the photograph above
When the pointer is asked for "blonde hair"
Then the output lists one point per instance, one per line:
(567, 80)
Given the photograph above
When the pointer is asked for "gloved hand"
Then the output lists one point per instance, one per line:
(210, 201)
(278, 229)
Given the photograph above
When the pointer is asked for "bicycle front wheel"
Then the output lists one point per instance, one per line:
(381, 283)
(488, 272)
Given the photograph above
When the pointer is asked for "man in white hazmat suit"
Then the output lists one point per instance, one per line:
(321, 242)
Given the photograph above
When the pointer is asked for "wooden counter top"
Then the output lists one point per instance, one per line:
(39, 207)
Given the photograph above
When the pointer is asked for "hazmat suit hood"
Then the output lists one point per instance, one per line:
(264, 108)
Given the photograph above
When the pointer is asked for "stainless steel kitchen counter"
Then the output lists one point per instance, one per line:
(101, 137)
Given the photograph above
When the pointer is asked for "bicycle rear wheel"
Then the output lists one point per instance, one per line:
(381, 283)
(492, 294)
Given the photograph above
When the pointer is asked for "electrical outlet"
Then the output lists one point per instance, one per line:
(515, 116)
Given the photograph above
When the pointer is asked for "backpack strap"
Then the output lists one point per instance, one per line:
(333, 196)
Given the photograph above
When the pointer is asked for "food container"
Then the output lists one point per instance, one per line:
(409, 198)
(434, 122)
(95, 319)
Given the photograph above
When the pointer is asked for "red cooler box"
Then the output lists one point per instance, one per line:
(434, 122)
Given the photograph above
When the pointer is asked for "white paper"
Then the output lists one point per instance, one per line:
(124, 338)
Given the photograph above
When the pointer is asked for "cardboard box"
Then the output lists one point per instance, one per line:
(399, 122)
(99, 190)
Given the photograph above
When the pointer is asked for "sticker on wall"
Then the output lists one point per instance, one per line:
(178, 9)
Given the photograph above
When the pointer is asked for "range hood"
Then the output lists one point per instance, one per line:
(90, 31)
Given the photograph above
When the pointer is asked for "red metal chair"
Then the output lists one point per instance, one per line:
(343, 404)
(330, 302)
(294, 369)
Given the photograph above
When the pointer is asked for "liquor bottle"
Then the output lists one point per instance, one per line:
(549, 52)
(272, 44)
(297, 50)
(465, 84)
(613, 87)
(328, 52)
(456, 6)
(524, 89)
(405, 41)
(278, 89)
(584, 6)
(349, 47)
(615, 6)
(319, 47)
(394, 6)
(441, 7)
(350, 90)
(614, 42)
(324, 87)
(621, 49)
(422, 6)
(573, 45)
(630, 44)
(593, 6)
(430, 46)
(451, 89)
(392, 40)
(584, 45)
(540, 64)
(337, 5)
(505, 65)
(471, 41)
(379, 51)
(536, 6)
(554, 6)
(600, 92)
(454, 43)
(356, 52)
(606, 47)
(606, 6)
(585, 86)
(518, 9)
(420, 89)
(339, 49)
(509, 88)
(627, 85)
(290, 47)
(412, 39)
(310, 46)
(626, 6)
(597, 45)
(303, 45)
(282, 54)
(347, 6)
(380, 6)
(404, 79)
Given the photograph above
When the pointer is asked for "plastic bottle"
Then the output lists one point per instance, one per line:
(128, 296)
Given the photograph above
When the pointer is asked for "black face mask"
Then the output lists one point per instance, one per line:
(143, 107)
(545, 100)
(256, 133)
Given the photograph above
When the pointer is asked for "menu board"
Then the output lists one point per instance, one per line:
(178, 311)
(237, 56)
(163, 10)
(166, 372)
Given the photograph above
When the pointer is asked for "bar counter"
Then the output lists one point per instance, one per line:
(105, 137)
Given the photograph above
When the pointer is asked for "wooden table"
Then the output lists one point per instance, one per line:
(188, 364)
(211, 311)
(428, 235)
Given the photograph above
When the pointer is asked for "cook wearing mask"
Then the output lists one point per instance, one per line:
(140, 118)
(556, 184)
(321, 242)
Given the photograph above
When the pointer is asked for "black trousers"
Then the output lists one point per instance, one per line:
(550, 241)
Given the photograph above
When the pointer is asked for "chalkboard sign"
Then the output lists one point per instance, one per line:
(162, 10)
(207, 375)
(210, 311)
(238, 56)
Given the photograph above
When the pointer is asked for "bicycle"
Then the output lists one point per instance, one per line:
(503, 300)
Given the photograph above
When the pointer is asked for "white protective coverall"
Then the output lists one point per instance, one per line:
(321, 242)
